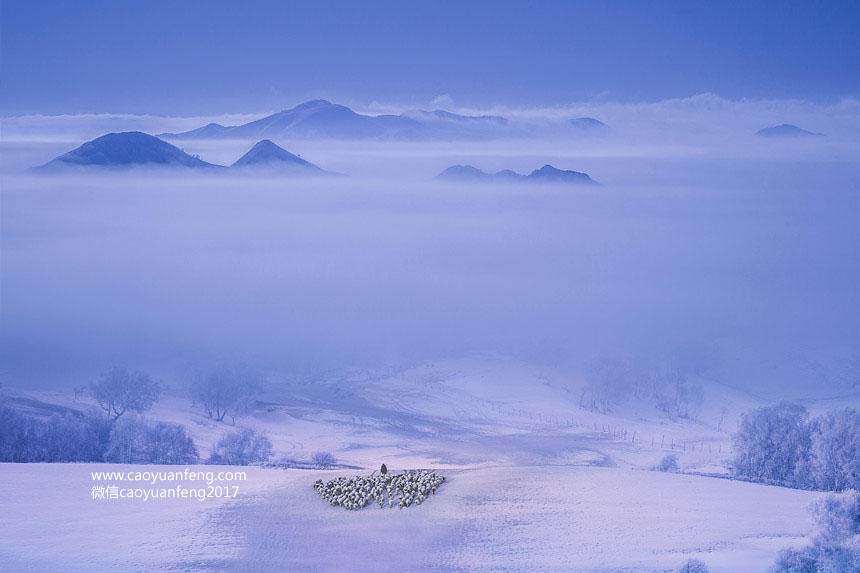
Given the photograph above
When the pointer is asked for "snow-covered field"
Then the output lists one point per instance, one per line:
(501, 517)
(534, 482)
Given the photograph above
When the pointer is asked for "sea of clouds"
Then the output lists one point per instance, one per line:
(731, 255)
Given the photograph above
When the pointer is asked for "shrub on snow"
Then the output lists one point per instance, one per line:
(241, 448)
(323, 460)
(693, 566)
(669, 463)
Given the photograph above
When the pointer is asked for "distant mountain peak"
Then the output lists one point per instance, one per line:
(551, 174)
(587, 123)
(126, 149)
(785, 130)
(463, 172)
(321, 118)
(311, 104)
(266, 153)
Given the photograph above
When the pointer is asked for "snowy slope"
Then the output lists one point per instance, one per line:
(463, 412)
(534, 482)
(554, 518)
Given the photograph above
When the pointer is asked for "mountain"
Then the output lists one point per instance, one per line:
(323, 119)
(550, 174)
(546, 174)
(441, 115)
(785, 130)
(465, 173)
(127, 149)
(587, 124)
(267, 154)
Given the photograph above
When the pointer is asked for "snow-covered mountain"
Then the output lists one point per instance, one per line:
(127, 149)
(547, 482)
(546, 174)
(785, 130)
(323, 119)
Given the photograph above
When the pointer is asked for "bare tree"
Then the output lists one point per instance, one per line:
(120, 391)
(723, 412)
(227, 391)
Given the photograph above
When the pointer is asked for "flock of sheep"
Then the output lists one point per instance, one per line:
(407, 488)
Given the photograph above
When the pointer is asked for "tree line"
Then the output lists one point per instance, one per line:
(118, 433)
(783, 444)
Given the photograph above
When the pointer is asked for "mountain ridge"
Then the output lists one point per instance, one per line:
(322, 118)
(546, 174)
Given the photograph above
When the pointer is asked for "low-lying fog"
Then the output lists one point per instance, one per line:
(734, 258)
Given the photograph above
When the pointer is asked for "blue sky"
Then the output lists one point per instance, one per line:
(220, 57)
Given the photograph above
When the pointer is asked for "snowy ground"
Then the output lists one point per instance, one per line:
(522, 518)
(462, 412)
(534, 483)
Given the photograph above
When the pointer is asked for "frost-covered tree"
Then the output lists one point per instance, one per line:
(676, 396)
(226, 391)
(74, 438)
(120, 391)
(169, 444)
(773, 443)
(835, 541)
(835, 452)
(134, 441)
(609, 382)
(19, 436)
(323, 460)
(69, 437)
(127, 443)
(837, 520)
(92, 437)
(241, 448)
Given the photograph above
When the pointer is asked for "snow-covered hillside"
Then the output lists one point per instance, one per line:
(502, 517)
(533, 481)
(461, 412)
